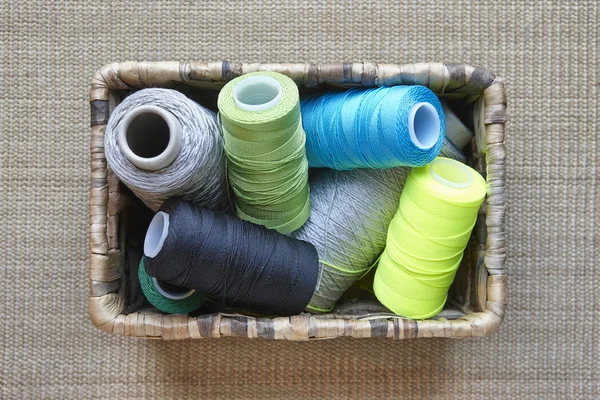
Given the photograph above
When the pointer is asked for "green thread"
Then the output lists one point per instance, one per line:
(370, 268)
(365, 288)
(347, 270)
(266, 159)
(321, 310)
(164, 304)
(364, 271)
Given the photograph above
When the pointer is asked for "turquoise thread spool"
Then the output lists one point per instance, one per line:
(373, 128)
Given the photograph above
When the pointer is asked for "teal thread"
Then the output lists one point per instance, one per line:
(164, 304)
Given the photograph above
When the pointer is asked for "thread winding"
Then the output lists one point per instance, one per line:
(233, 261)
(264, 143)
(176, 300)
(351, 212)
(196, 172)
(427, 237)
(373, 128)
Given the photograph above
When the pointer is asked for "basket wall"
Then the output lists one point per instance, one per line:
(485, 279)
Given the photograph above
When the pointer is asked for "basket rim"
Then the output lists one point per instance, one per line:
(106, 299)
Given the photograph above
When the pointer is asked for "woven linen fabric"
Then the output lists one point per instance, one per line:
(548, 345)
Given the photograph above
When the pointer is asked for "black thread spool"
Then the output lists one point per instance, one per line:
(230, 260)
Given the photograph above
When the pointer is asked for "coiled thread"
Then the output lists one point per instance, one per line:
(171, 300)
(264, 142)
(373, 128)
(237, 262)
(427, 237)
(197, 171)
(351, 212)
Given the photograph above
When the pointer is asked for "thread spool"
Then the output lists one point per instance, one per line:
(427, 237)
(233, 261)
(166, 297)
(161, 144)
(456, 131)
(451, 151)
(373, 128)
(257, 93)
(264, 143)
(351, 212)
(149, 137)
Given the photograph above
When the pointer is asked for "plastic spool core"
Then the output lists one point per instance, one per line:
(451, 173)
(156, 234)
(258, 93)
(150, 137)
(171, 291)
(424, 125)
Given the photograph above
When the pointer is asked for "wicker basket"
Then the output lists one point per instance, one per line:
(480, 290)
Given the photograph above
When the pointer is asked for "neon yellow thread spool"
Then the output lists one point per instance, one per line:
(426, 240)
(416, 309)
(421, 265)
(422, 247)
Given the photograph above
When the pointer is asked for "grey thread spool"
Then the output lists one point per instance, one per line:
(162, 144)
(351, 212)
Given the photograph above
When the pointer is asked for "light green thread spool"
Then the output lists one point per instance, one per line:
(264, 143)
(168, 298)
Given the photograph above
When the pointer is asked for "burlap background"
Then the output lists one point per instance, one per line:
(548, 54)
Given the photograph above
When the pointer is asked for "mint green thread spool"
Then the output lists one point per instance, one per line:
(168, 298)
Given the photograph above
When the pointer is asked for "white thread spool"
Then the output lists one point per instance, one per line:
(424, 125)
(150, 137)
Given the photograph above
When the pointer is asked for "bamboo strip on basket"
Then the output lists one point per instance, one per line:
(475, 85)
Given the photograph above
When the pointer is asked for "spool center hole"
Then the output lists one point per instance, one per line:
(256, 91)
(148, 135)
(156, 234)
(426, 125)
(171, 289)
(452, 171)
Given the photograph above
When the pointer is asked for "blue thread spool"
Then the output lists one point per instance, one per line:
(374, 128)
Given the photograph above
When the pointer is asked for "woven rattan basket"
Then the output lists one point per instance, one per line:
(479, 293)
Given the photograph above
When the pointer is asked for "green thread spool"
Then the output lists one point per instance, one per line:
(427, 237)
(264, 142)
(168, 298)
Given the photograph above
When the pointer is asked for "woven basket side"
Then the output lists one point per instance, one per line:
(107, 297)
(494, 120)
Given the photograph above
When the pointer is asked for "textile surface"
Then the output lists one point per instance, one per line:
(548, 54)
